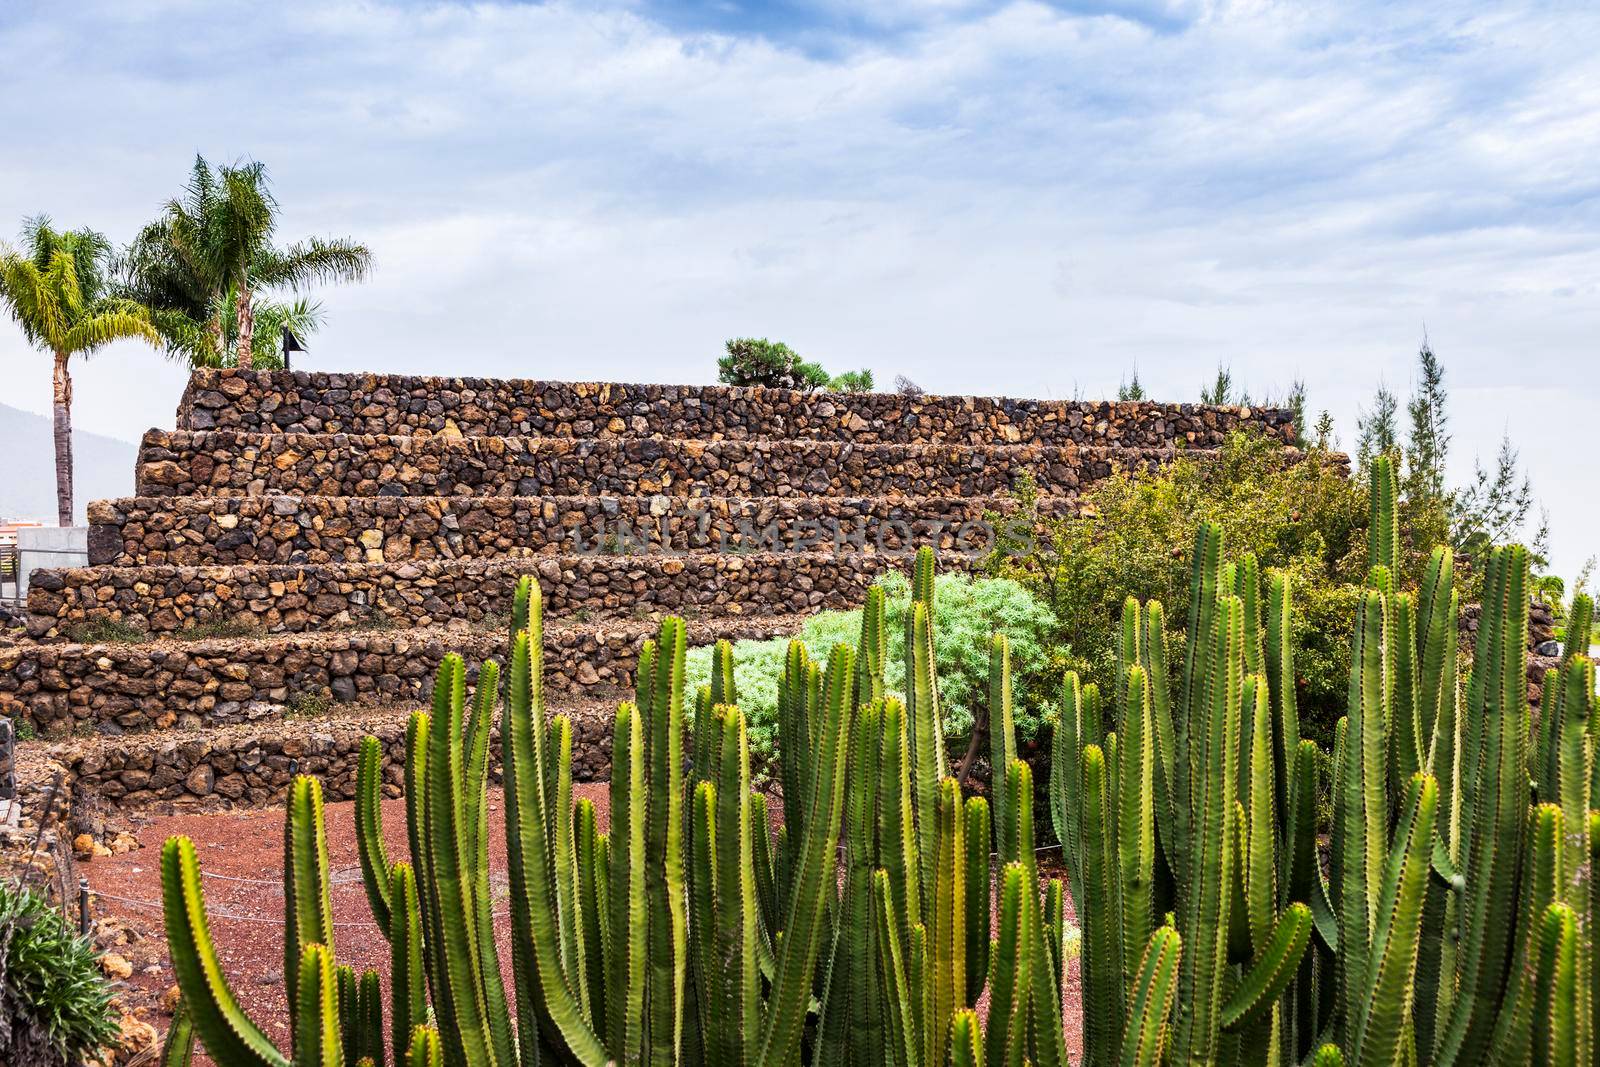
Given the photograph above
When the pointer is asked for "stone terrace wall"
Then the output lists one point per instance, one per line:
(250, 766)
(161, 685)
(295, 598)
(301, 402)
(200, 531)
(224, 463)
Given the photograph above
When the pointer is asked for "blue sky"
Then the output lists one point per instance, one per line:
(1027, 198)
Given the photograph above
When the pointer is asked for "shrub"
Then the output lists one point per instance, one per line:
(852, 381)
(56, 1001)
(758, 361)
(969, 610)
(1133, 538)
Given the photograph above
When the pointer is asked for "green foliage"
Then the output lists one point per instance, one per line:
(1223, 391)
(202, 264)
(1378, 429)
(1131, 388)
(970, 611)
(758, 361)
(57, 288)
(852, 381)
(1303, 518)
(1451, 923)
(57, 1003)
(685, 935)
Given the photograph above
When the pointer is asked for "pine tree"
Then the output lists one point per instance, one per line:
(1493, 509)
(1429, 441)
(1220, 393)
(1377, 429)
(1131, 389)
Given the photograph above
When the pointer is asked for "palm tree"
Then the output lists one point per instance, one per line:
(201, 264)
(57, 291)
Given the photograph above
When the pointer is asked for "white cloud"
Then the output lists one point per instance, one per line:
(990, 198)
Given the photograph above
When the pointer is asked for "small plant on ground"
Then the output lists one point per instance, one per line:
(221, 628)
(57, 1005)
(307, 705)
(106, 632)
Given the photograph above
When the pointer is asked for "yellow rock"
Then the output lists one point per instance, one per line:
(116, 966)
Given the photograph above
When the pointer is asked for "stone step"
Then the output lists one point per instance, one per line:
(210, 531)
(281, 401)
(64, 689)
(251, 765)
(291, 598)
(227, 463)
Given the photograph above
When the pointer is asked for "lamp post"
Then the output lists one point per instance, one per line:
(291, 343)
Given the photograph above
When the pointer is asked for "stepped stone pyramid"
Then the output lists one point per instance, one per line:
(304, 548)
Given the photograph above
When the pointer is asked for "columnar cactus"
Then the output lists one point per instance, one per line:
(1431, 939)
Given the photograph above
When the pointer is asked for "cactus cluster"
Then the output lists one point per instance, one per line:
(1452, 921)
(890, 920)
(687, 933)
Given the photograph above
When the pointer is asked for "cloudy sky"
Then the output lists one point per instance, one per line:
(1027, 198)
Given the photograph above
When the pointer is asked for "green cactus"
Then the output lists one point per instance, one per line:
(1383, 528)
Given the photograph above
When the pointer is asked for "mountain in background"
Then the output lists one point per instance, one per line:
(102, 467)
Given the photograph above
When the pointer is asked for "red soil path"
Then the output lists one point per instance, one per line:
(241, 856)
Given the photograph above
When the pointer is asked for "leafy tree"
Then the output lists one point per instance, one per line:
(758, 361)
(852, 381)
(204, 261)
(1378, 432)
(56, 289)
(1132, 537)
(1131, 389)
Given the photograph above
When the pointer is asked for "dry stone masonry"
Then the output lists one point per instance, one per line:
(303, 549)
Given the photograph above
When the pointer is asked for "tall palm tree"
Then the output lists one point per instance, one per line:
(56, 289)
(200, 266)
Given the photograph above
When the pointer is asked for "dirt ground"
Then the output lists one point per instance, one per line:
(241, 857)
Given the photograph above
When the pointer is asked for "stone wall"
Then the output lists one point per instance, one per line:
(251, 766)
(292, 598)
(62, 687)
(197, 531)
(226, 463)
(301, 402)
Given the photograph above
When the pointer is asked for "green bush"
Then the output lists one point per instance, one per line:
(57, 1003)
(1133, 538)
(758, 361)
(969, 611)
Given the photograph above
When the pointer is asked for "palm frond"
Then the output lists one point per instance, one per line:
(29, 298)
(103, 327)
(313, 261)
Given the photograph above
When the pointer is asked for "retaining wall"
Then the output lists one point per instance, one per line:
(63, 687)
(309, 402)
(226, 463)
(193, 531)
(291, 598)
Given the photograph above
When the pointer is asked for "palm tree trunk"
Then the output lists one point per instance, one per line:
(247, 328)
(61, 409)
(214, 338)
